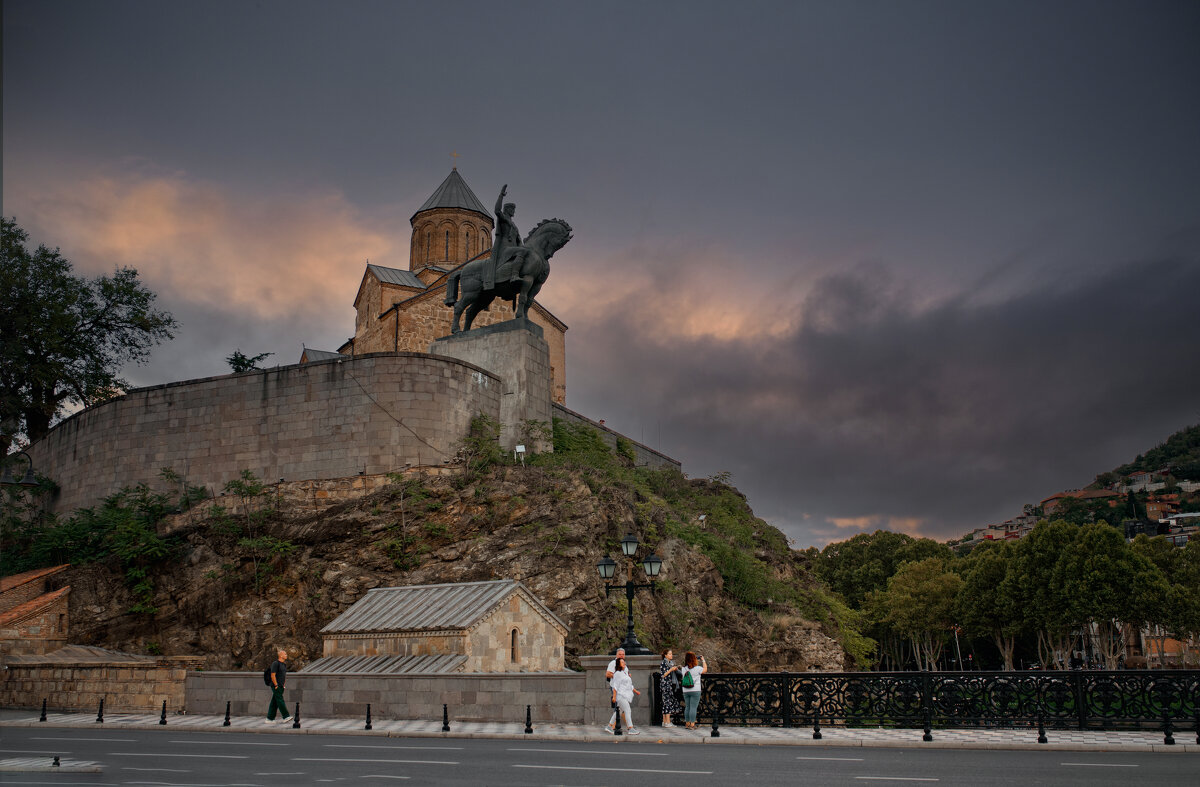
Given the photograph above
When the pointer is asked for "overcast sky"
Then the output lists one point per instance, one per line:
(891, 264)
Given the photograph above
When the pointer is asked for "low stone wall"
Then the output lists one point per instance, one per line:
(555, 697)
(124, 686)
(643, 454)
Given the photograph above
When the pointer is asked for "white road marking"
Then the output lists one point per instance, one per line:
(605, 751)
(365, 746)
(202, 756)
(836, 759)
(281, 773)
(233, 743)
(355, 759)
(27, 752)
(384, 776)
(105, 740)
(156, 770)
(623, 770)
(1099, 764)
(896, 778)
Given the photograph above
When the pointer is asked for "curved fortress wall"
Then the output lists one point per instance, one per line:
(328, 419)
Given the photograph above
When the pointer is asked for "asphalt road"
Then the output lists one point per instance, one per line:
(166, 757)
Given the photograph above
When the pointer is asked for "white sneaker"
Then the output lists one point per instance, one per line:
(634, 731)
(268, 721)
(668, 724)
(608, 729)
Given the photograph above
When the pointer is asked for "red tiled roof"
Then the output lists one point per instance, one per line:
(8, 583)
(33, 606)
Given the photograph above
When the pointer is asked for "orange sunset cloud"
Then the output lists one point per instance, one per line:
(199, 243)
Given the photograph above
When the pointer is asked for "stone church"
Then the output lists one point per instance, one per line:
(403, 310)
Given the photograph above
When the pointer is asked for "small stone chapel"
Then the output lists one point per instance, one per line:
(493, 626)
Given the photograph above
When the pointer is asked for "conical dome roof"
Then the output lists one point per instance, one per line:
(454, 193)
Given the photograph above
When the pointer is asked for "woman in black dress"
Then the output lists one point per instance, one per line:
(668, 678)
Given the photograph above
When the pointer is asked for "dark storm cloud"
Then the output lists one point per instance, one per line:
(929, 418)
(862, 255)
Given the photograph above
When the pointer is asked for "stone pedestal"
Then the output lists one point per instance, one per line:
(516, 352)
(598, 698)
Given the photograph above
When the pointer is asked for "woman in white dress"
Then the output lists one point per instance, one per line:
(623, 691)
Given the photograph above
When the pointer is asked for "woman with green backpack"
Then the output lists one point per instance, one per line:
(691, 687)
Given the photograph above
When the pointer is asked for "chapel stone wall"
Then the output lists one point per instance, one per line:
(539, 643)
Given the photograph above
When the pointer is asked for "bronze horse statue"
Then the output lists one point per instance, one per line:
(520, 273)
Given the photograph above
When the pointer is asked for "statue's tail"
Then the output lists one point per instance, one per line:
(452, 289)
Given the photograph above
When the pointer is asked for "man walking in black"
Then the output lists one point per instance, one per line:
(278, 677)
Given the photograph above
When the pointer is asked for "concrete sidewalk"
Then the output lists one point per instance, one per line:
(1062, 740)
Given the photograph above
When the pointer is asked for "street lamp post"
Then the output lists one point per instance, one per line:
(608, 567)
(6, 479)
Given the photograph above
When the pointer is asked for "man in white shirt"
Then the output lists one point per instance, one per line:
(608, 673)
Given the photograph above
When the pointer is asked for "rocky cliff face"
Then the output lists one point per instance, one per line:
(271, 572)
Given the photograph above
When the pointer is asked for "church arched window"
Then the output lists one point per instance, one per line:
(447, 244)
(428, 244)
(468, 243)
(514, 653)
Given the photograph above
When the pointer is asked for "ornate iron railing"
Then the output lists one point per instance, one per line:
(1076, 699)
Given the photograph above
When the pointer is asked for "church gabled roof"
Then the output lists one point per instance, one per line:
(396, 276)
(454, 193)
(458, 605)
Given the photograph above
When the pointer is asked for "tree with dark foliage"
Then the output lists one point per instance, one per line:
(64, 338)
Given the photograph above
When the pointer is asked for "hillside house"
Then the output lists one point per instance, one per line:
(33, 612)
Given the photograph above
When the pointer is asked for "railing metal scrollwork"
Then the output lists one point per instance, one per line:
(1077, 699)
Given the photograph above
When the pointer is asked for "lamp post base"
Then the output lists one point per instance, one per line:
(632, 647)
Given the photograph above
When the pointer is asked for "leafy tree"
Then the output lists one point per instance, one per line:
(239, 362)
(862, 564)
(919, 602)
(1106, 584)
(988, 606)
(66, 337)
(1032, 580)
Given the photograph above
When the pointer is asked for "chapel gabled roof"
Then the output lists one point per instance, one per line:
(458, 605)
(454, 193)
(396, 276)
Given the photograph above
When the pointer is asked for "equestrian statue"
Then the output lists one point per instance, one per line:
(515, 270)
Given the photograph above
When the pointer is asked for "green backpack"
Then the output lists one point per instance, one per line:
(688, 681)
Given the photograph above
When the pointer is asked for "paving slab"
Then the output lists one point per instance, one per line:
(1010, 739)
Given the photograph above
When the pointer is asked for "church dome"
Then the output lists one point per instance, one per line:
(452, 227)
(453, 194)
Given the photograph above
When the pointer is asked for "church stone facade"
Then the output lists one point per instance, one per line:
(403, 310)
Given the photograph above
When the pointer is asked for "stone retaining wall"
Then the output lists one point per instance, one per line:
(328, 419)
(555, 697)
(125, 686)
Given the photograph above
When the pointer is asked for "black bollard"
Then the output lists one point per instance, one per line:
(528, 720)
(715, 732)
(163, 718)
(43, 710)
(928, 736)
(1041, 726)
(445, 719)
(617, 724)
(100, 713)
(296, 718)
(1168, 733)
(1197, 727)
(368, 717)
(56, 763)
(816, 728)
(227, 722)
